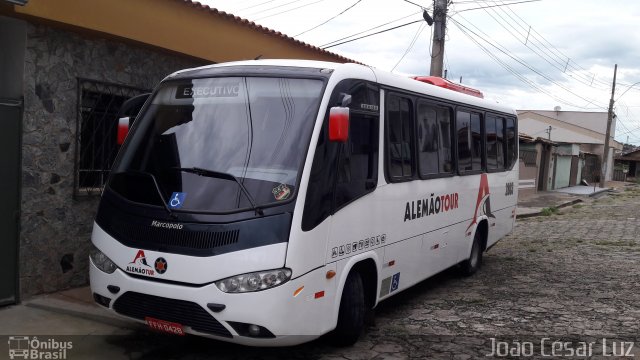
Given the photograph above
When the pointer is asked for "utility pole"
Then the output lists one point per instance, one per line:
(437, 47)
(605, 156)
(548, 131)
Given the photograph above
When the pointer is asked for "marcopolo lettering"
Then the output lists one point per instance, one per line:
(166, 225)
(430, 206)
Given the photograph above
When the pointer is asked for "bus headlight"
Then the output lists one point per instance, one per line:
(255, 281)
(101, 261)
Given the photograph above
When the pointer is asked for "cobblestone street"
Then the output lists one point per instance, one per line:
(571, 276)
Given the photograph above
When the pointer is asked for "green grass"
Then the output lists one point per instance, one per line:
(616, 243)
(578, 206)
(549, 211)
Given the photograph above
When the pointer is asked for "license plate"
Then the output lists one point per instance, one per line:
(165, 326)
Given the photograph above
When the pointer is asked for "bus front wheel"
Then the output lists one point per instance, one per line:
(352, 312)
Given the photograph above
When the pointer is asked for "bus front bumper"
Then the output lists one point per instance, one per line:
(295, 312)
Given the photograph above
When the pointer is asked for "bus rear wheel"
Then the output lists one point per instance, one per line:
(352, 312)
(473, 263)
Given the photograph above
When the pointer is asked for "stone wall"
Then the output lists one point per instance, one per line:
(56, 228)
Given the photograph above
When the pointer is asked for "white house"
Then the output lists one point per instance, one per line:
(584, 131)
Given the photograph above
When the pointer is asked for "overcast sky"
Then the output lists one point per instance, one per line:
(567, 61)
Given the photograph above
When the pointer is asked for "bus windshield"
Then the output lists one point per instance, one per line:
(219, 144)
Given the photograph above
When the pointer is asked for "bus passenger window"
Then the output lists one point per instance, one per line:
(492, 150)
(468, 127)
(463, 120)
(399, 138)
(512, 143)
(476, 142)
(434, 139)
(500, 142)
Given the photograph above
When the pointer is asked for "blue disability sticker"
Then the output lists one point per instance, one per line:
(395, 281)
(177, 199)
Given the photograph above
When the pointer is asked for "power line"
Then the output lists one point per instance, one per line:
(475, 2)
(522, 78)
(447, 63)
(333, 17)
(254, 6)
(289, 10)
(556, 64)
(375, 33)
(373, 28)
(558, 57)
(522, 62)
(552, 48)
(413, 42)
(507, 4)
(271, 8)
(412, 3)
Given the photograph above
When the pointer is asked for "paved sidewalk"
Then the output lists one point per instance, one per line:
(533, 205)
(70, 312)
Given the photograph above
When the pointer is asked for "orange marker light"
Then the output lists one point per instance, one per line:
(297, 292)
(331, 274)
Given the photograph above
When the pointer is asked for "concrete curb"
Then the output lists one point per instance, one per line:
(539, 213)
(594, 194)
(81, 310)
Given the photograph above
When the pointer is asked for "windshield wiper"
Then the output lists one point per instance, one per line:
(225, 176)
(155, 182)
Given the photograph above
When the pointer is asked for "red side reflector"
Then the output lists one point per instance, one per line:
(123, 129)
(319, 294)
(392, 262)
(444, 83)
(339, 124)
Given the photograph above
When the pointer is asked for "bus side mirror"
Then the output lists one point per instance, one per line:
(339, 124)
(127, 115)
(123, 129)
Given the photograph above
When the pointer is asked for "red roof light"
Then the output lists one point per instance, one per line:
(444, 83)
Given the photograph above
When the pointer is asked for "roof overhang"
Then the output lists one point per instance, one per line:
(181, 26)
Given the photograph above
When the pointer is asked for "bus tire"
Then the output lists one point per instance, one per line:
(474, 262)
(352, 312)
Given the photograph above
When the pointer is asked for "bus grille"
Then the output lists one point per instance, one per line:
(138, 234)
(140, 306)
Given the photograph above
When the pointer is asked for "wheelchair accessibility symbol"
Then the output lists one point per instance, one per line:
(177, 199)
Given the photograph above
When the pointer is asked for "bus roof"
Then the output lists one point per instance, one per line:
(350, 70)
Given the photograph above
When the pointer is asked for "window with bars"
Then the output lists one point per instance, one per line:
(97, 126)
(529, 157)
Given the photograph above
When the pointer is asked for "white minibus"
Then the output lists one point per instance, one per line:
(270, 202)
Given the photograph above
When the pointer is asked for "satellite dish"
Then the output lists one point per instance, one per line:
(557, 108)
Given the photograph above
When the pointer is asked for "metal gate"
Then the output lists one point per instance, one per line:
(10, 130)
(13, 39)
(591, 169)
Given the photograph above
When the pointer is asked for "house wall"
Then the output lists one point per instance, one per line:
(55, 228)
(528, 174)
(585, 128)
(536, 126)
